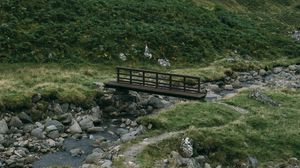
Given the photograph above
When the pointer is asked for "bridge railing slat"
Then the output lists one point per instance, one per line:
(158, 80)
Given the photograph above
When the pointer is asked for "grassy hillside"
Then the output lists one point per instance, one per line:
(98, 30)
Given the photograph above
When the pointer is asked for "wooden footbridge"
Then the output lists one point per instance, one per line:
(158, 83)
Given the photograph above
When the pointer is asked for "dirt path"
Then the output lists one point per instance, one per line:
(132, 152)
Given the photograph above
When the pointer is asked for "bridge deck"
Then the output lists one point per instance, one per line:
(157, 83)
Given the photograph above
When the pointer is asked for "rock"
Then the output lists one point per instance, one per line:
(65, 107)
(75, 128)
(1, 138)
(94, 158)
(96, 112)
(51, 142)
(106, 164)
(51, 128)
(253, 162)
(277, 70)
(206, 165)
(27, 128)
(259, 96)
(237, 85)
(210, 96)
(86, 123)
(15, 122)
(132, 135)
(65, 118)
(53, 134)
(38, 133)
(76, 152)
(262, 72)
(57, 108)
(228, 87)
(89, 166)
(293, 67)
(95, 129)
(60, 127)
(155, 102)
(186, 148)
(3, 127)
(36, 97)
(214, 87)
(177, 159)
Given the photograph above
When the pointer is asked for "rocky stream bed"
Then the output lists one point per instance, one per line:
(63, 134)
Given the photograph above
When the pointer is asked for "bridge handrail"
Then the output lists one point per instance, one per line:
(157, 84)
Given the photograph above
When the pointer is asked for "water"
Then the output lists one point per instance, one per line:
(64, 158)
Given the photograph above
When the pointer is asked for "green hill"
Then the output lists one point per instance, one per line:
(181, 30)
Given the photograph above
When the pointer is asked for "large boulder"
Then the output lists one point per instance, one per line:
(3, 127)
(86, 123)
(60, 127)
(155, 102)
(75, 127)
(25, 118)
(38, 133)
(15, 122)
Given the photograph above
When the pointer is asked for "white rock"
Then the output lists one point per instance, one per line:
(75, 128)
(3, 127)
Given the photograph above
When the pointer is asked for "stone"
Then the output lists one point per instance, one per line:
(53, 134)
(76, 152)
(106, 163)
(262, 72)
(65, 107)
(211, 96)
(1, 138)
(15, 122)
(95, 129)
(94, 158)
(186, 148)
(57, 108)
(259, 96)
(89, 166)
(55, 123)
(36, 97)
(253, 162)
(75, 128)
(293, 67)
(65, 118)
(206, 165)
(51, 128)
(155, 102)
(25, 118)
(3, 127)
(38, 133)
(27, 128)
(228, 87)
(133, 134)
(86, 123)
(214, 87)
(277, 70)
(96, 112)
(51, 142)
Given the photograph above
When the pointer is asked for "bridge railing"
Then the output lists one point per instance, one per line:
(159, 80)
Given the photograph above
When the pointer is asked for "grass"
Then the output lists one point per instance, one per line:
(198, 114)
(73, 83)
(267, 133)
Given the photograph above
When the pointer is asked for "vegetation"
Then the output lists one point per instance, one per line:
(268, 133)
(71, 83)
(99, 30)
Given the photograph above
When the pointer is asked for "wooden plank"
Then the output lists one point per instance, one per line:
(155, 90)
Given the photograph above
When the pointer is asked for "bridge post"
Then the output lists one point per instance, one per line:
(184, 83)
(143, 78)
(156, 80)
(198, 85)
(118, 75)
(170, 81)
